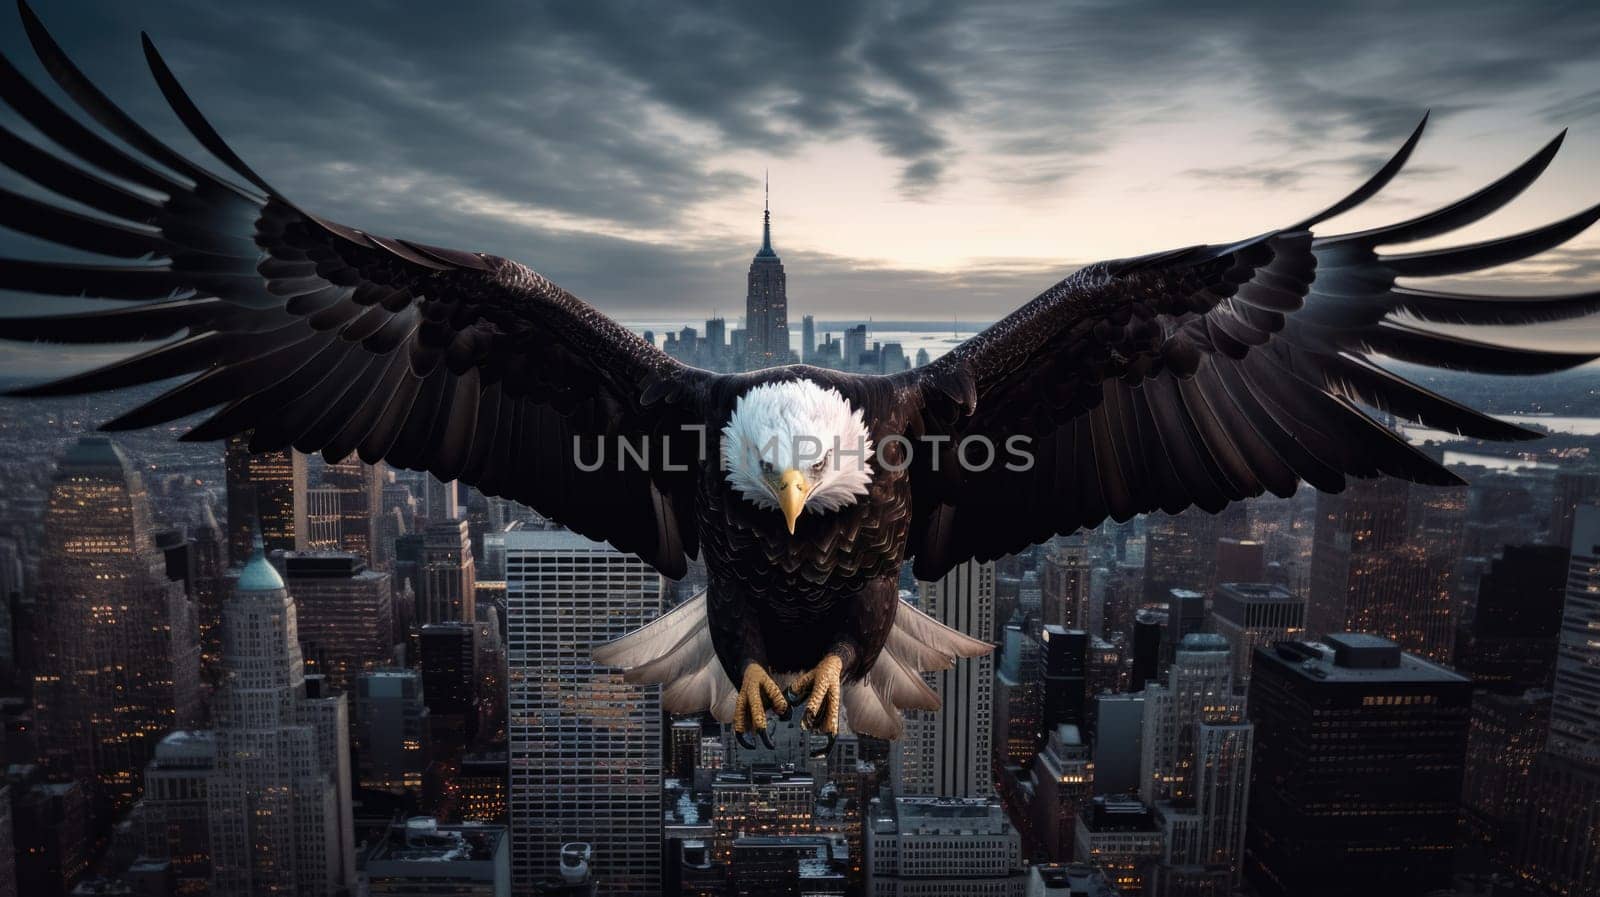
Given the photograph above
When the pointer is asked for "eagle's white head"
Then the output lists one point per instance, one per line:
(794, 446)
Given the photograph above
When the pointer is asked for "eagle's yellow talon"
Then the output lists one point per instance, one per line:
(822, 687)
(757, 692)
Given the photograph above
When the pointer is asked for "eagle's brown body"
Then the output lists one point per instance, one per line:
(784, 600)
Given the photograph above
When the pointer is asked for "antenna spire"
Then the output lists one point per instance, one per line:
(767, 213)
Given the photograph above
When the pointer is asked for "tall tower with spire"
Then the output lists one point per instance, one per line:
(766, 303)
(278, 803)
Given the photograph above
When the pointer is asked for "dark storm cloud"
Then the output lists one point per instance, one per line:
(542, 131)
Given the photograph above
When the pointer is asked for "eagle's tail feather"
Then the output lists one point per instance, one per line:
(675, 652)
(917, 644)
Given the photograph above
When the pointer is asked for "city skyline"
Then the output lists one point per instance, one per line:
(1259, 613)
(1198, 752)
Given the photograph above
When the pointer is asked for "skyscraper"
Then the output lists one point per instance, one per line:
(210, 550)
(1019, 697)
(447, 579)
(50, 825)
(585, 746)
(1118, 742)
(1507, 734)
(1195, 767)
(1512, 641)
(1575, 708)
(1240, 560)
(766, 305)
(1186, 615)
(1121, 836)
(1360, 750)
(1254, 615)
(1063, 782)
(1205, 831)
(176, 819)
(1573, 488)
(345, 614)
(270, 487)
(278, 807)
(1560, 836)
(450, 674)
(118, 658)
(1147, 644)
(947, 752)
(391, 729)
(808, 338)
(855, 346)
(1064, 670)
(1064, 583)
(1380, 563)
(1180, 553)
(357, 488)
(1198, 689)
(716, 343)
(440, 500)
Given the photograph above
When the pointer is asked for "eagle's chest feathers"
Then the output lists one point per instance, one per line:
(830, 550)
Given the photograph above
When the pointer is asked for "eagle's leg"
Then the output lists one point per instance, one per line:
(822, 686)
(757, 692)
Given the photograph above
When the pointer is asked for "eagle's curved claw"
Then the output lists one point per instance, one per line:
(818, 754)
(757, 692)
(747, 744)
(822, 687)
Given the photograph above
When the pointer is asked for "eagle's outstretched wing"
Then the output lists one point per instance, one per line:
(1214, 373)
(314, 335)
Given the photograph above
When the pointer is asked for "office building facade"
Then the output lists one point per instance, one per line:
(585, 746)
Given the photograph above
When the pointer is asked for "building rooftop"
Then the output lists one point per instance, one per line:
(423, 840)
(1264, 592)
(761, 775)
(258, 574)
(1357, 657)
(1109, 813)
(552, 540)
(1203, 641)
(1076, 880)
(186, 747)
(95, 451)
(327, 565)
(940, 816)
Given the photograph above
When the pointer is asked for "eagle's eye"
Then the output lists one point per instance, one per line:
(766, 466)
(821, 463)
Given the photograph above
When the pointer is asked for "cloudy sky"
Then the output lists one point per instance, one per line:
(926, 159)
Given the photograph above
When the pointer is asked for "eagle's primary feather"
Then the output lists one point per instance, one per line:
(1193, 377)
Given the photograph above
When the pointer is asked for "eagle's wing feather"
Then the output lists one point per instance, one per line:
(916, 644)
(1206, 375)
(310, 334)
(675, 652)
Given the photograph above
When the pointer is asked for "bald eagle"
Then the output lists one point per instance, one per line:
(1194, 377)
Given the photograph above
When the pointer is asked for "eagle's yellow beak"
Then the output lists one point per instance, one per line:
(792, 491)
